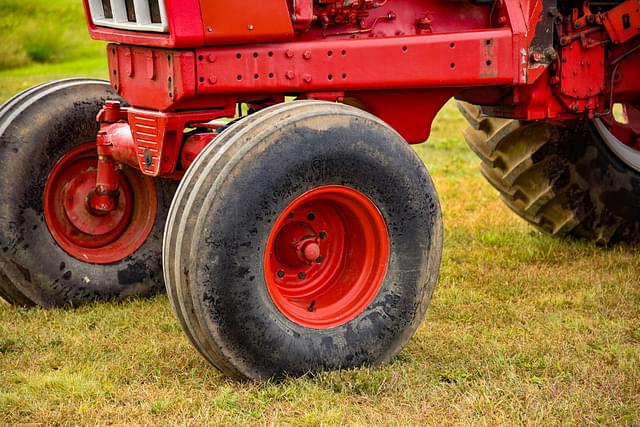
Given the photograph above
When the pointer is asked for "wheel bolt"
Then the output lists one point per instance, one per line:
(311, 216)
(302, 275)
(319, 259)
(280, 273)
(323, 235)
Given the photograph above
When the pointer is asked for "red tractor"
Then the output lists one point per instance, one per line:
(307, 235)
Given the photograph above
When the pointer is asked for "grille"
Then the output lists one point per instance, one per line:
(135, 15)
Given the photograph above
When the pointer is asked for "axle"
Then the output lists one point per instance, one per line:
(116, 145)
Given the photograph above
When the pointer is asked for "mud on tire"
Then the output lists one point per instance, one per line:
(37, 128)
(227, 207)
(563, 179)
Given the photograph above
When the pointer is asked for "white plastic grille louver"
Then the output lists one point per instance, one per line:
(135, 15)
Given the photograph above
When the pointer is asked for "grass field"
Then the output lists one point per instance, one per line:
(522, 329)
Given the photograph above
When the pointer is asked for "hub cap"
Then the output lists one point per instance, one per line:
(623, 137)
(326, 257)
(87, 235)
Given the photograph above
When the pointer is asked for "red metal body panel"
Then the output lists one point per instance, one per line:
(158, 79)
(152, 78)
(464, 59)
(623, 22)
(228, 22)
(399, 59)
(582, 71)
(410, 112)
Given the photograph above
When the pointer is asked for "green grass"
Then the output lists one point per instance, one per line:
(522, 329)
(36, 31)
(17, 79)
(45, 40)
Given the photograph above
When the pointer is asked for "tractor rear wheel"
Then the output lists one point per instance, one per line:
(306, 237)
(569, 179)
(54, 250)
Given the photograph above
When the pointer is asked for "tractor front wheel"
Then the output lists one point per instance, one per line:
(306, 237)
(55, 250)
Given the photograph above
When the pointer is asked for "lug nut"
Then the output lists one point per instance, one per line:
(322, 235)
(280, 273)
(311, 216)
(302, 275)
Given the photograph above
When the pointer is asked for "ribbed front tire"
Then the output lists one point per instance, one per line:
(306, 237)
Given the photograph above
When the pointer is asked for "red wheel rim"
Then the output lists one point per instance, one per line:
(98, 239)
(326, 257)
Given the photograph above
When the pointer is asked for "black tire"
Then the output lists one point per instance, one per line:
(563, 179)
(11, 294)
(222, 215)
(181, 302)
(8, 110)
(39, 127)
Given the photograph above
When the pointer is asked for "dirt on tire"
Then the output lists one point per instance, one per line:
(561, 178)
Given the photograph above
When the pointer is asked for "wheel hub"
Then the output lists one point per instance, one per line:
(85, 234)
(76, 196)
(326, 257)
(309, 250)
